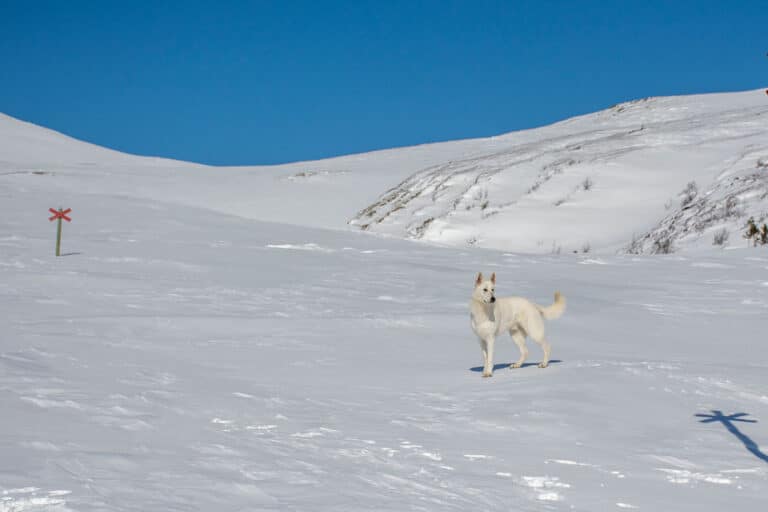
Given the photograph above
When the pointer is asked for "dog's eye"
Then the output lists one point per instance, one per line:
(485, 289)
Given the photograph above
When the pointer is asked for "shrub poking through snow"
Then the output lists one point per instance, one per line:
(663, 244)
(752, 233)
(755, 234)
(720, 237)
(731, 208)
(689, 193)
(635, 245)
(587, 184)
(480, 198)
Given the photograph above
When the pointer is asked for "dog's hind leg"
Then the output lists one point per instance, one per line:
(519, 338)
(546, 348)
(535, 329)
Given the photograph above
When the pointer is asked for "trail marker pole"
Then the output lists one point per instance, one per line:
(59, 214)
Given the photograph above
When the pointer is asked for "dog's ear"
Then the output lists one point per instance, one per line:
(479, 279)
(493, 278)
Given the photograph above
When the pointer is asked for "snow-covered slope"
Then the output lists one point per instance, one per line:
(595, 181)
(188, 354)
(25, 145)
(326, 193)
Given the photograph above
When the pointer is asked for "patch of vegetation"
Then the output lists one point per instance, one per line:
(635, 245)
(663, 245)
(756, 235)
(689, 193)
(720, 237)
(422, 228)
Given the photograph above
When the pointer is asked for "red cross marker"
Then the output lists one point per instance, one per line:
(59, 214)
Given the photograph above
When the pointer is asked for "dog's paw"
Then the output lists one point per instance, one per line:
(543, 365)
(515, 365)
(487, 374)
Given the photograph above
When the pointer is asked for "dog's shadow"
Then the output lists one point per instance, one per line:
(501, 366)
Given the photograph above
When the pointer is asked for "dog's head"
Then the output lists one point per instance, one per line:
(485, 289)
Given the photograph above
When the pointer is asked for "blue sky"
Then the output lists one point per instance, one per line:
(266, 82)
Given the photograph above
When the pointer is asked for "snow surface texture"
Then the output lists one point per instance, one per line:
(598, 182)
(180, 357)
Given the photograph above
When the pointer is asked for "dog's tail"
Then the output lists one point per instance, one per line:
(556, 309)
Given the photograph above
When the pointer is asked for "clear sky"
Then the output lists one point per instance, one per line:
(251, 82)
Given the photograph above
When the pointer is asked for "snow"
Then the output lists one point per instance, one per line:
(195, 353)
(594, 182)
(321, 194)
(522, 191)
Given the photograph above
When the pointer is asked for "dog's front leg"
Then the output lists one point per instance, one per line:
(484, 349)
(488, 353)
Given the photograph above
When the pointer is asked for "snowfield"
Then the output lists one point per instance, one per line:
(209, 343)
(609, 181)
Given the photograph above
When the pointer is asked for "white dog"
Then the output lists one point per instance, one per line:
(519, 316)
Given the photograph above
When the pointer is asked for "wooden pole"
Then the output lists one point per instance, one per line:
(58, 237)
(60, 214)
